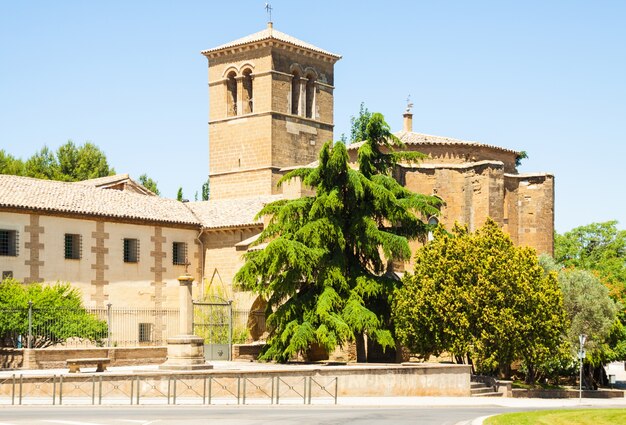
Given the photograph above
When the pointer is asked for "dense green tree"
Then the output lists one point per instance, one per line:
(323, 271)
(58, 314)
(591, 311)
(149, 184)
(70, 163)
(10, 165)
(599, 247)
(42, 165)
(179, 195)
(478, 295)
(205, 190)
(358, 124)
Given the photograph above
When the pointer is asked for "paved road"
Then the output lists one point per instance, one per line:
(244, 415)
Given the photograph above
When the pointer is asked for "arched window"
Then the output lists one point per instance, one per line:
(247, 92)
(433, 221)
(231, 94)
(310, 96)
(295, 92)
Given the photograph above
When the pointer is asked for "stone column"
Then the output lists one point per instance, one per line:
(185, 351)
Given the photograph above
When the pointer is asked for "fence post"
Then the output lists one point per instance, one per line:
(230, 330)
(30, 324)
(109, 323)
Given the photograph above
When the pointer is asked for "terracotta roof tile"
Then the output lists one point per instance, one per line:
(224, 213)
(63, 197)
(412, 138)
(270, 34)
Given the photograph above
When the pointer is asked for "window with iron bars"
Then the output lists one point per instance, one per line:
(179, 254)
(8, 243)
(131, 250)
(145, 332)
(73, 246)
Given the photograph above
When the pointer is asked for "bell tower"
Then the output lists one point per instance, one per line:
(270, 107)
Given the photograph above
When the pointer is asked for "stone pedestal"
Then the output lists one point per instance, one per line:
(186, 350)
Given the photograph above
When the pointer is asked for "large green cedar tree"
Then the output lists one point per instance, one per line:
(324, 269)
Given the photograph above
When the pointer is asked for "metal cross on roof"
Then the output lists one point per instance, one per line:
(268, 9)
(409, 104)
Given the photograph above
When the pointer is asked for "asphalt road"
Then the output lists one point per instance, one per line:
(245, 415)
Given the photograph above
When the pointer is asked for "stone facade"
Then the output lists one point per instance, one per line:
(270, 107)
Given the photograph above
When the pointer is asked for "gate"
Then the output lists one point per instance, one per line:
(213, 321)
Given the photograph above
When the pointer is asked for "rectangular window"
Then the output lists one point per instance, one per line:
(145, 332)
(131, 250)
(179, 254)
(8, 243)
(72, 246)
(7, 274)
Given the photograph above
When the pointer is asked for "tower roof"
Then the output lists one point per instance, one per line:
(269, 35)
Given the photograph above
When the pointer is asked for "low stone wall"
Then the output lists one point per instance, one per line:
(526, 393)
(346, 381)
(54, 358)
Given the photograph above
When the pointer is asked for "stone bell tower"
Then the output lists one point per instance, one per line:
(270, 107)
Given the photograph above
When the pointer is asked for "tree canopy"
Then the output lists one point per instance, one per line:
(58, 315)
(478, 295)
(323, 271)
(598, 247)
(69, 163)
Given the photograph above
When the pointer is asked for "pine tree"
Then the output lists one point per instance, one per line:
(323, 269)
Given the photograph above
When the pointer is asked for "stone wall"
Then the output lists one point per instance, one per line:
(55, 358)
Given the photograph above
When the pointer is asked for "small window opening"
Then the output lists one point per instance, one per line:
(8, 243)
(72, 246)
(433, 222)
(248, 106)
(231, 98)
(179, 254)
(295, 93)
(131, 250)
(310, 96)
(145, 332)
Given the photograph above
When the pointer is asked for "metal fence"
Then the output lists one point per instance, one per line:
(167, 389)
(37, 327)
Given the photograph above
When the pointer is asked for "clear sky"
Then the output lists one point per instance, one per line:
(546, 77)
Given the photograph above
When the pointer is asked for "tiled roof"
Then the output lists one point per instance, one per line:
(270, 34)
(225, 213)
(412, 138)
(106, 180)
(62, 197)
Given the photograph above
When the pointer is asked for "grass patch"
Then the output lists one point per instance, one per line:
(536, 386)
(562, 417)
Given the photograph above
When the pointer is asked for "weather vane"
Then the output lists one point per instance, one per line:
(409, 104)
(268, 9)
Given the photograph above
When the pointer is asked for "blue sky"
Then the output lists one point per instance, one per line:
(546, 77)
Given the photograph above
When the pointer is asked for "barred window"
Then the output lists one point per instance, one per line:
(179, 254)
(73, 245)
(145, 332)
(131, 250)
(8, 242)
(7, 274)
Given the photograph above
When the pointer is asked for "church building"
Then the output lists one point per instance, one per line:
(271, 110)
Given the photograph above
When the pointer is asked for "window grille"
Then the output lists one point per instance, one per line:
(145, 332)
(9, 243)
(7, 274)
(179, 254)
(73, 246)
(131, 250)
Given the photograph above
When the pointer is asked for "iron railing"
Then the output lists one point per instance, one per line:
(36, 327)
(203, 389)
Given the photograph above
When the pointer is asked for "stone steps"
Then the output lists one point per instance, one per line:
(478, 389)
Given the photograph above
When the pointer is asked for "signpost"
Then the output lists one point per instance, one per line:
(581, 355)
